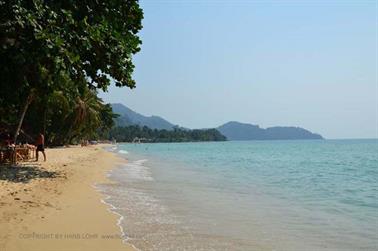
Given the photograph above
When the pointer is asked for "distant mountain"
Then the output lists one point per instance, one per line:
(240, 131)
(129, 117)
(232, 130)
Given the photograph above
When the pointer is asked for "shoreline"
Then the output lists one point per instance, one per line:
(45, 205)
(111, 208)
(200, 185)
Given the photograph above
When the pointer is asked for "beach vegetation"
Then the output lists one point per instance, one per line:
(133, 132)
(55, 55)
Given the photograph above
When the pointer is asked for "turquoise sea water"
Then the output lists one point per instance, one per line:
(249, 195)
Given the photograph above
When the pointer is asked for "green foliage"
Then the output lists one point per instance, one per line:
(69, 117)
(129, 133)
(58, 53)
(83, 118)
(86, 40)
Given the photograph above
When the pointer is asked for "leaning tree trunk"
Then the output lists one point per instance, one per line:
(26, 106)
(45, 109)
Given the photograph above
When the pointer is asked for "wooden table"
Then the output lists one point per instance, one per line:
(16, 154)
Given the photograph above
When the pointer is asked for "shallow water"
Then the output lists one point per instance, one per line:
(252, 195)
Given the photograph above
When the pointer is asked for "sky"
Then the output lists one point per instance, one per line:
(303, 63)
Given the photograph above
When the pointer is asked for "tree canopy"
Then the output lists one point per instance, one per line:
(54, 55)
(129, 133)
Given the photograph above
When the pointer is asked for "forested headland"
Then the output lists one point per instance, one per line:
(145, 134)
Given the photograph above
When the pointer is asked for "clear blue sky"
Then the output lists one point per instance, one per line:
(292, 63)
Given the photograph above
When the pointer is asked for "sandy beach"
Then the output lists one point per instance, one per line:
(54, 205)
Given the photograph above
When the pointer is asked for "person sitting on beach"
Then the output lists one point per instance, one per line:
(40, 146)
(8, 140)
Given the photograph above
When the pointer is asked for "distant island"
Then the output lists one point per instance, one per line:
(240, 131)
(131, 125)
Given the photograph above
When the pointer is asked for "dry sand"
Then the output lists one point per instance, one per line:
(53, 205)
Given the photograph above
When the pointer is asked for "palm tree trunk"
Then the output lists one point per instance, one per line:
(26, 106)
(45, 118)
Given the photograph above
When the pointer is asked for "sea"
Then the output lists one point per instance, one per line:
(247, 195)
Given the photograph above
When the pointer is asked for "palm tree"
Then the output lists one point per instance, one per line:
(85, 115)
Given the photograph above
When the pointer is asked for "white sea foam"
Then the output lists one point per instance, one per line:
(134, 207)
(110, 148)
(113, 209)
(123, 152)
(222, 197)
(137, 171)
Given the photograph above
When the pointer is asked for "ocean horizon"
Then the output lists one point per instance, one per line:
(248, 195)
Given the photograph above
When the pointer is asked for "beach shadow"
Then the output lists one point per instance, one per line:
(23, 174)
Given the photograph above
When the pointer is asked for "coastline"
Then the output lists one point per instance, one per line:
(53, 204)
(184, 195)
